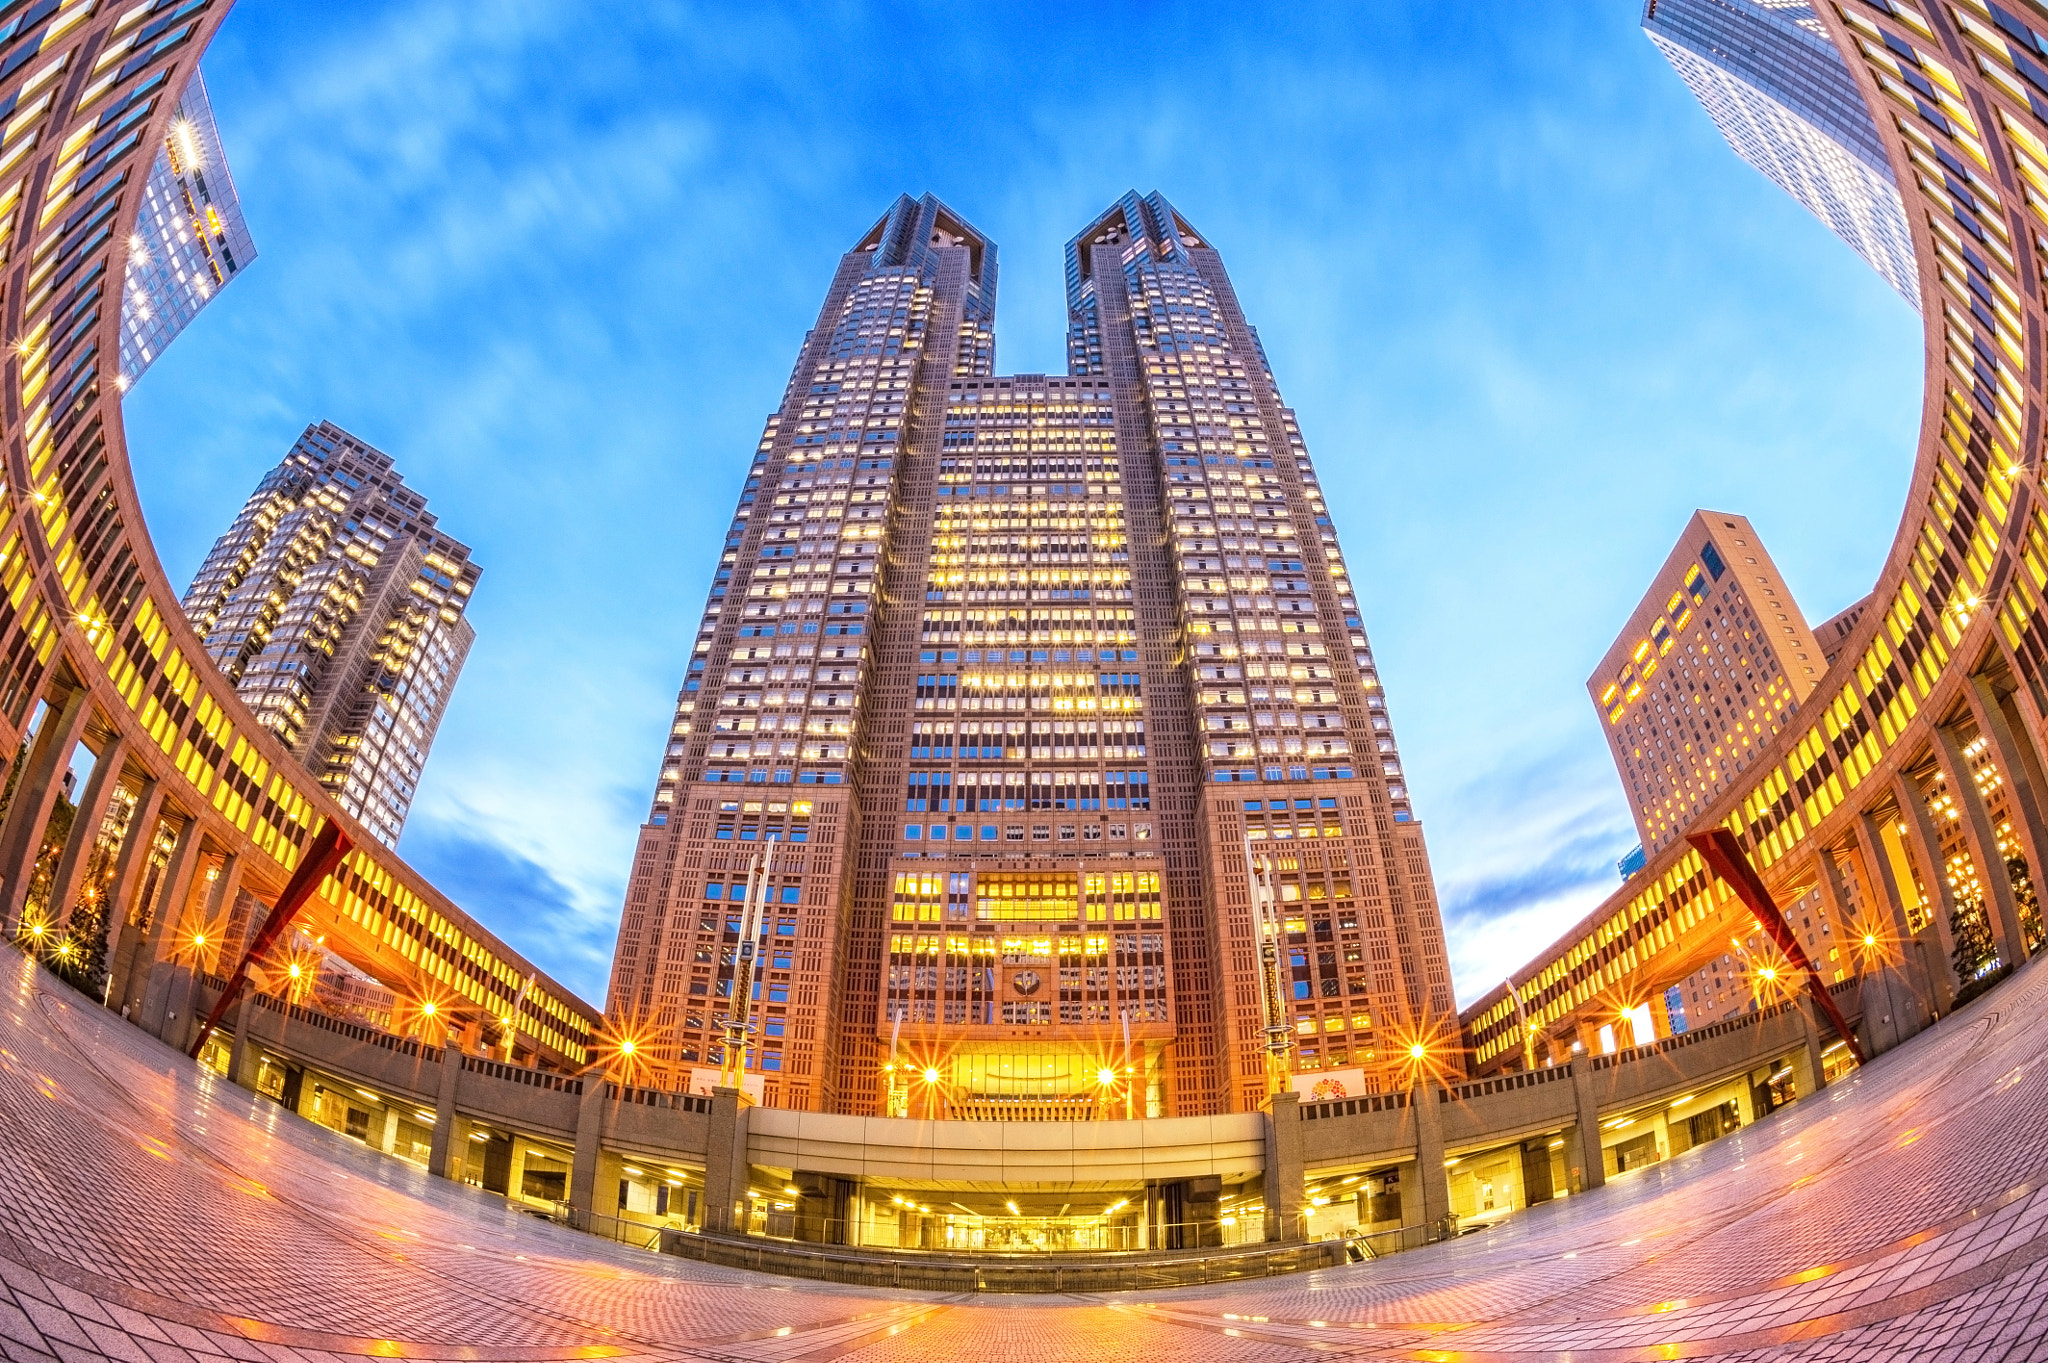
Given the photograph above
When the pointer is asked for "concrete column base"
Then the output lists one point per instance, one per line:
(726, 1168)
(1584, 1165)
(1285, 1171)
(1891, 1008)
(447, 1144)
(590, 1114)
(238, 1054)
(1809, 1072)
(1434, 1184)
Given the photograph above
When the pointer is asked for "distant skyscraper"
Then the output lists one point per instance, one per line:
(1774, 84)
(336, 607)
(1712, 663)
(1013, 668)
(189, 239)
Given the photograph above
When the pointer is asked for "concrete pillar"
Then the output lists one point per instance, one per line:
(238, 1053)
(85, 828)
(128, 864)
(1982, 839)
(725, 1163)
(590, 1115)
(1874, 1001)
(1834, 895)
(1913, 974)
(220, 912)
(156, 944)
(446, 1144)
(167, 1009)
(1809, 1073)
(2020, 765)
(1889, 1012)
(21, 837)
(1925, 842)
(1584, 1169)
(1285, 1170)
(388, 1141)
(1875, 863)
(1426, 1101)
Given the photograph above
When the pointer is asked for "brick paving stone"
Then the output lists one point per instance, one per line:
(155, 1213)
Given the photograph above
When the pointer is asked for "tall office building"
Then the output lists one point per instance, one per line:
(1771, 79)
(1714, 660)
(1012, 668)
(337, 607)
(189, 239)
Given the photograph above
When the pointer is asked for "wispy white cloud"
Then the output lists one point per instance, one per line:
(558, 259)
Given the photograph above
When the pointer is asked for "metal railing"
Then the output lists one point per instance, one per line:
(638, 1234)
(997, 1271)
(1362, 1245)
(941, 1272)
(651, 1097)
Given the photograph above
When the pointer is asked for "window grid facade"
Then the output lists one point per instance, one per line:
(189, 240)
(1714, 662)
(337, 607)
(1768, 75)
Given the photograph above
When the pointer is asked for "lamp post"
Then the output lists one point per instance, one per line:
(513, 1014)
(1522, 1024)
(1272, 984)
(737, 1025)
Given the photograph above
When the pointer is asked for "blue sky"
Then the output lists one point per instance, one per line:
(558, 259)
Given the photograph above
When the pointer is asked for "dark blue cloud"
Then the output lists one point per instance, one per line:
(1582, 863)
(535, 912)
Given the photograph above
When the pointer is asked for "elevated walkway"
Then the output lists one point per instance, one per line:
(883, 1201)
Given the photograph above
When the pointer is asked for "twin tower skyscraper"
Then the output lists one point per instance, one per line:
(1014, 671)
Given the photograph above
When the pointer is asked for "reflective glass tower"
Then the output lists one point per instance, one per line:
(1771, 79)
(189, 239)
(336, 606)
(1015, 670)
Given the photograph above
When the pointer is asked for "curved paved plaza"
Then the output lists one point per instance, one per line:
(156, 1212)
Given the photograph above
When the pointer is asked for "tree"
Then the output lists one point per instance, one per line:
(2029, 903)
(80, 956)
(1975, 949)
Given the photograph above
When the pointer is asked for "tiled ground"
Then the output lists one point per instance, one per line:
(150, 1212)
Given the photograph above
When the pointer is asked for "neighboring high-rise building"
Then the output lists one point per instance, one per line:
(1716, 658)
(1713, 662)
(189, 239)
(1012, 669)
(337, 607)
(1771, 79)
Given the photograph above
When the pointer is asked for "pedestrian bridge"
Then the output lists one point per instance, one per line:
(1390, 1171)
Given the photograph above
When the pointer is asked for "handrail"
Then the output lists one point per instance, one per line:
(647, 1097)
(1001, 1271)
(1501, 1083)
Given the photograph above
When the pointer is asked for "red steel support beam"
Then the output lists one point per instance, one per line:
(1725, 856)
(330, 845)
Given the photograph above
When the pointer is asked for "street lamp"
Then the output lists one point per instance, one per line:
(1266, 922)
(752, 921)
